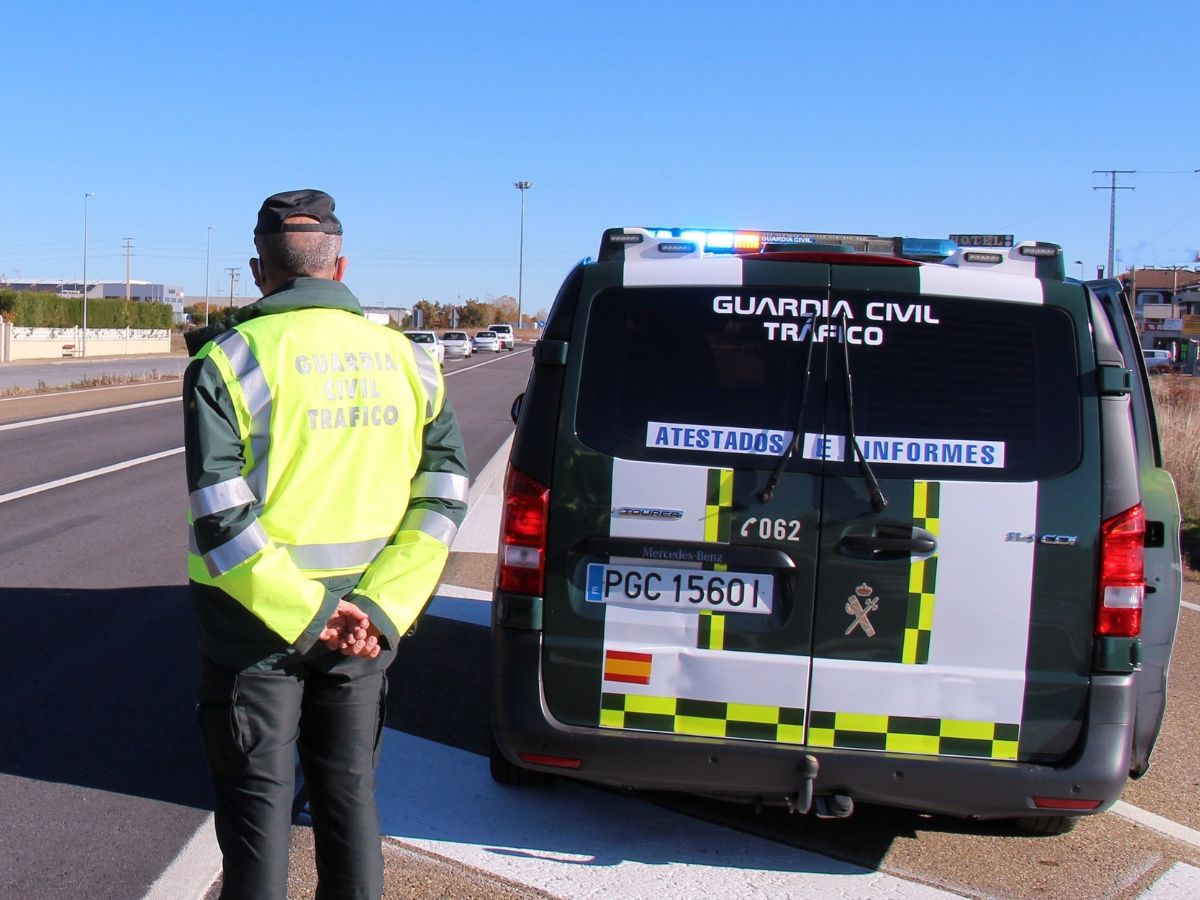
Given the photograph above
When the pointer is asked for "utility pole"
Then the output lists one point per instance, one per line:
(207, 272)
(1112, 207)
(128, 255)
(521, 186)
(233, 280)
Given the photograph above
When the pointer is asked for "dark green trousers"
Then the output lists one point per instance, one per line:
(329, 708)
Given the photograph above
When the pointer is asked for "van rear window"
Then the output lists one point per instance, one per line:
(942, 387)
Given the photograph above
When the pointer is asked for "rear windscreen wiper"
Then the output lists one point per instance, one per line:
(767, 493)
(878, 501)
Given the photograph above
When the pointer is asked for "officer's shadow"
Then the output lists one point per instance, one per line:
(99, 691)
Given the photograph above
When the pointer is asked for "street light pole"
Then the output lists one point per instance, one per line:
(207, 272)
(85, 208)
(521, 186)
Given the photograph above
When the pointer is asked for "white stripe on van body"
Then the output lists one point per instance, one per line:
(980, 634)
(663, 270)
(679, 668)
(659, 486)
(947, 281)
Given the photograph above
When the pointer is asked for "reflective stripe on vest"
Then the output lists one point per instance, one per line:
(254, 387)
(233, 552)
(353, 555)
(441, 486)
(219, 497)
(427, 369)
(427, 521)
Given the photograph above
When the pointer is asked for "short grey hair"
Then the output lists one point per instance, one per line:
(298, 254)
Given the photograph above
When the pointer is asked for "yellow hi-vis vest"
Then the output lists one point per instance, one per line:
(331, 410)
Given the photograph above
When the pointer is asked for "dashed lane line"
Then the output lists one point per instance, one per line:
(12, 426)
(84, 476)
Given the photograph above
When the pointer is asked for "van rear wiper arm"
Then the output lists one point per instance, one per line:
(767, 493)
(878, 501)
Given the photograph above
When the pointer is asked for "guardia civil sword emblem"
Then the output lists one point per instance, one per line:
(860, 604)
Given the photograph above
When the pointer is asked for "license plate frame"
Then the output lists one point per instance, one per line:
(680, 590)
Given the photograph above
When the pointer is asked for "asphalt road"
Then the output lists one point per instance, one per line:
(101, 778)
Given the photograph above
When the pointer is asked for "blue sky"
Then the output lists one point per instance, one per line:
(891, 118)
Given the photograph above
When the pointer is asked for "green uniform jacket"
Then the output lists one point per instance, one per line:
(323, 461)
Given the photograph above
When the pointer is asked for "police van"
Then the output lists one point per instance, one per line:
(813, 519)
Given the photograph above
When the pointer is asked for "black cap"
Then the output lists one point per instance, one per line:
(315, 204)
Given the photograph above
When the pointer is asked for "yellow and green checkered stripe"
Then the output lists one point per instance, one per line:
(718, 506)
(911, 734)
(922, 578)
(710, 633)
(705, 718)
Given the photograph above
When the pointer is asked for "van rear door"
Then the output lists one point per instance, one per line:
(956, 621)
(685, 606)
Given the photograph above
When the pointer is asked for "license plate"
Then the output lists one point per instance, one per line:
(682, 590)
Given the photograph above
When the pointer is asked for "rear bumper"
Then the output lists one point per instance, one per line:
(770, 772)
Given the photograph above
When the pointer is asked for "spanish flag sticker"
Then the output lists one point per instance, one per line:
(631, 668)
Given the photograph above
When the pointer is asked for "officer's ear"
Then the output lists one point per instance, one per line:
(256, 271)
(339, 269)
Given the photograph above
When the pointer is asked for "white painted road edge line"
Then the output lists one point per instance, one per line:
(84, 476)
(194, 870)
(111, 387)
(11, 426)
(1192, 606)
(1160, 824)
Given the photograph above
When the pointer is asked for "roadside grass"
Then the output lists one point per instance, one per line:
(1177, 406)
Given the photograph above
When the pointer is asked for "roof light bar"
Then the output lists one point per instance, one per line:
(1034, 258)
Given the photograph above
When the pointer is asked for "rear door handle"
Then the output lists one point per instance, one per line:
(886, 541)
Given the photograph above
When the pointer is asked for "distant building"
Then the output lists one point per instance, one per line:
(1166, 310)
(393, 314)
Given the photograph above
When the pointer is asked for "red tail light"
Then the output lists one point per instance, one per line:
(523, 534)
(1064, 803)
(1122, 574)
(559, 762)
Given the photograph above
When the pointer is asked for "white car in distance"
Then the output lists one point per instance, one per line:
(486, 340)
(457, 344)
(429, 343)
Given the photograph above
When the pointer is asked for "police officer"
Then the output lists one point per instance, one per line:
(327, 480)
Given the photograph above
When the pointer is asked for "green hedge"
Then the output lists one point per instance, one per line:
(38, 310)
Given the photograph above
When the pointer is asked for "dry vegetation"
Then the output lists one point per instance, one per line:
(1177, 405)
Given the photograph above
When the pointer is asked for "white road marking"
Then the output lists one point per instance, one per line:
(462, 605)
(573, 842)
(479, 532)
(84, 476)
(1180, 882)
(1192, 606)
(488, 363)
(1159, 823)
(111, 387)
(12, 426)
(194, 870)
